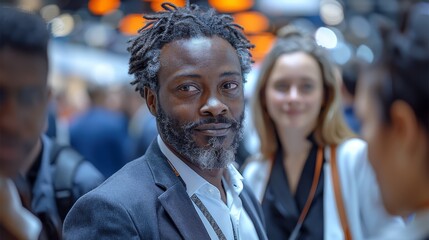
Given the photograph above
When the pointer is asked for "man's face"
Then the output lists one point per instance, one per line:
(200, 103)
(23, 101)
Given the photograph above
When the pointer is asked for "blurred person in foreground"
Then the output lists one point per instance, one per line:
(350, 73)
(25, 153)
(393, 101)
(311, 175)
(189, 66)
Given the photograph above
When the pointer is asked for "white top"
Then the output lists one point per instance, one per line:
(366, 215)
(224, 215)
(417, 229)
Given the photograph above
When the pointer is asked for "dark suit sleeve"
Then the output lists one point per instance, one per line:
(94, 216)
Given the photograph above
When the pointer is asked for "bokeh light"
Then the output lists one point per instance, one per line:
(130, 24)
(101, 7)
(62, 25)
(231, 6)
(325, 37)
(263, 43)
(49, 12)
(331, 12)
(252, 21)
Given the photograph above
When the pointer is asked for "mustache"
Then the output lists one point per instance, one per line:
(219, 119)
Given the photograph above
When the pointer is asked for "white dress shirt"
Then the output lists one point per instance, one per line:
(211, 198)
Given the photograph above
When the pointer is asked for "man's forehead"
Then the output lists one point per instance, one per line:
(200, 43)
(197, 47)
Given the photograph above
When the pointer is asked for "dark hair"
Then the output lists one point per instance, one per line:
(404, 67)
(23, 31)
(180, 23)
(350, 74)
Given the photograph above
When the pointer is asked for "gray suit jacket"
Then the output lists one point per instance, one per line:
(144, 200)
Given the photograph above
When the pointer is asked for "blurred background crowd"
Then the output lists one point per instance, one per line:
(95, 109)
(92, 97)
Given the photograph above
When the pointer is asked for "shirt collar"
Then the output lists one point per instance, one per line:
(194, 181)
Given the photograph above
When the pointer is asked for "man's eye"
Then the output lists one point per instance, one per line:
(187, 88)
(230, 86)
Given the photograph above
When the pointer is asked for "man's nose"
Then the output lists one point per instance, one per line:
(214, 107)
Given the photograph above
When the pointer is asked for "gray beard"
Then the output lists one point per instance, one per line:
(213, 156)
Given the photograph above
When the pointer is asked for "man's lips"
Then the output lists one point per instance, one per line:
(214, 129)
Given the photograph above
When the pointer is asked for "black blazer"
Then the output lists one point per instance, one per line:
(144, 200)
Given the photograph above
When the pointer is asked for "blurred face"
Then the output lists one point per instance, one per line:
(392, 154)
(23, 101)
(200, 102)
(294, 92)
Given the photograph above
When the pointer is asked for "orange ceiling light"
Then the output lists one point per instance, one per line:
(263, 43)
(102, 7)
(231, 5)
(131, 24)
(155, 5)
(252, 21)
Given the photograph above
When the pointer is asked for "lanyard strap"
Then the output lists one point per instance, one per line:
(338, 196)
(317, 171)
(205, 211)
(210, 218)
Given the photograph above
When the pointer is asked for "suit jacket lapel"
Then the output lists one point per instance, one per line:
(175, 200)
(250, 208)
(178, 205)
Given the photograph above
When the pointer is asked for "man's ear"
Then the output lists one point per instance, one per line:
(151, 100)
(404, 122)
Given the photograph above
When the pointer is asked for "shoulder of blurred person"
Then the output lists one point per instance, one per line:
(366, 215)
(44, 200)
(86, 176)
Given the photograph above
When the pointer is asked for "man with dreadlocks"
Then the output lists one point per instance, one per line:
(189, 65)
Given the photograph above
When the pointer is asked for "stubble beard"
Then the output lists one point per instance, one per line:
(212, 156)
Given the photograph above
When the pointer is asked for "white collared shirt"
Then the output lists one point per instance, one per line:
(211, 198)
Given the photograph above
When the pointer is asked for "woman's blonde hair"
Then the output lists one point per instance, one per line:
(331, 127)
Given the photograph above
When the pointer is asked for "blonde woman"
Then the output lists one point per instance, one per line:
(297, 114)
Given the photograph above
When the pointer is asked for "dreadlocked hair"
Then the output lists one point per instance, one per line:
(176, 23)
